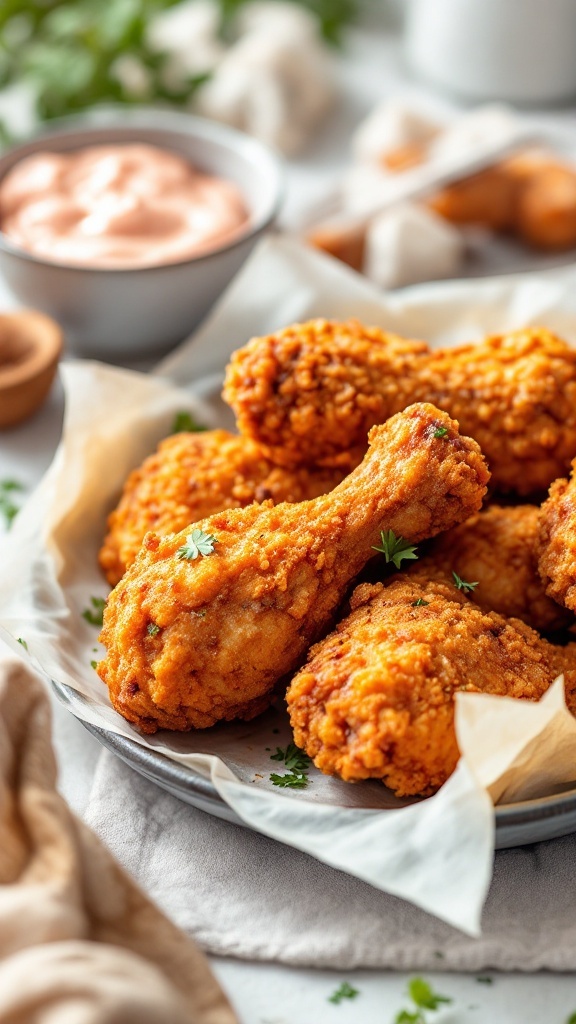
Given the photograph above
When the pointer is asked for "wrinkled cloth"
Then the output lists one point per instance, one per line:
(282, 905)
(80, 943)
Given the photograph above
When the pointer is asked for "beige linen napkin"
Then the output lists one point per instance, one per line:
(79, 942)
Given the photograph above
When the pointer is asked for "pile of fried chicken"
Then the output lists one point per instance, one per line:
(348, 540)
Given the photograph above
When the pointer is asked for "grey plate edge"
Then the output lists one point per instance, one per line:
(517, 824)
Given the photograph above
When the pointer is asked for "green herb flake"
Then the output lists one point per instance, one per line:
(460, 584)
(294, 758)
(95, 614)
(485, 980)
(420, 603)
(197, 543)
(423, 996)
(184, 423)
(292, 780)
(152, 629)
(345, 991)
(394, 548)
(23, 643)
(93, 664)
(440, 431)
(8, 508)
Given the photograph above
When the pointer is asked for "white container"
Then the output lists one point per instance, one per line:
(517, 50)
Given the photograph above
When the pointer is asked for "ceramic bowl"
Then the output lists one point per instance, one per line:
(135, 313)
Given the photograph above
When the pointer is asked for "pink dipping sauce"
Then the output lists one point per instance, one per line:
(118, 206)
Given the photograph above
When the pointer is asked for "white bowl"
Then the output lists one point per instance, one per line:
(147, 310)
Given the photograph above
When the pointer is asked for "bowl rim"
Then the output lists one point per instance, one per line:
(115, 117)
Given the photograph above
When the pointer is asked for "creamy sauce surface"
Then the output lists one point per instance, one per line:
(118, 206)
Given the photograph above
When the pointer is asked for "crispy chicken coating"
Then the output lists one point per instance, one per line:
(311, 392)
(487, 199)
(376, 697)
(193, 642)
(498, 549)
(557, 542)
(192, 476)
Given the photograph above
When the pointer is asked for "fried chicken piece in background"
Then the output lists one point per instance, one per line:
(376, 697)
(193, 642)
(498, 549)
(487, 199)
(312, 391)
(192, 476)
(557, 542)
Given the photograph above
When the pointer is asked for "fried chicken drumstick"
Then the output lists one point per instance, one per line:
(192, 642)
(557, 542)
(310, 393)
(498, 549)
(192, 476)
(376, 697)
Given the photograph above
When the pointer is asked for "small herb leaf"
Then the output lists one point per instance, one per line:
(293, 780)
(184, 422)
(394, 548)
(152, 629)
(423, 996)
(294, 758)
(466, 588)
(95, 614)
(23, 643)
(420, 603)
(197, 543)
(345, 991)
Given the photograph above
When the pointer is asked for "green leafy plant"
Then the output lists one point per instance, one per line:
(395, 549)
(197, 543)
(69, 53)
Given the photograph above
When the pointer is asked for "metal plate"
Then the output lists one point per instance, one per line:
(519, 824)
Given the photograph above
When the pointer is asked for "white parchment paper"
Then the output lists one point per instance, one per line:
(438, 852)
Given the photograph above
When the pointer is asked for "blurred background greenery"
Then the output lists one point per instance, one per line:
(71, 55)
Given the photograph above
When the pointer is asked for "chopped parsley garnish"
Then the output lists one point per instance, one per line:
(23, 642)
(297, 763)
(95, 614)
(394, 548)
(152, 629)
(294, 758)
(292, 780)
(184, 422)
(197, 543)
(345, 991)
(8, 509)
(420, 603)
(424, 998)
(460, 584)
(485, 980)
(93, 664)
(440, 431)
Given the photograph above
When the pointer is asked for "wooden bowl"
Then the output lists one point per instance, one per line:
(30, 346)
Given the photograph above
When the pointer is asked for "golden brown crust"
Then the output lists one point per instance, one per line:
(487, 199)
(546, 215)
(557, 542)
(498, 549)
(376, 697)
(192, 476)
(310, 393)
(232, 623)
